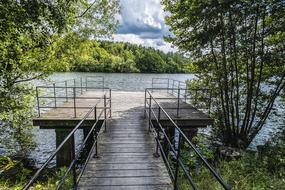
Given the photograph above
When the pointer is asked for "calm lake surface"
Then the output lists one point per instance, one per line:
(45, 139)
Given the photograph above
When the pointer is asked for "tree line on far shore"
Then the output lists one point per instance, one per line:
(86, 55)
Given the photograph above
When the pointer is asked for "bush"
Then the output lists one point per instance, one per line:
(253, 171)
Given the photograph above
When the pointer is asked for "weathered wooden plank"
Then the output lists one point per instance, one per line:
(127, 166)
(103, 154)
(124, 159)
(127, 145)
(128, 187)
(127, 149)
(125, 173)
(121, 181)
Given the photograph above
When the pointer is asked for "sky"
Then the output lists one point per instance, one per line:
(142, 22)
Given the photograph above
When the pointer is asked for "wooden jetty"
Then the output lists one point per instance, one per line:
(126, 150)
(125, 154)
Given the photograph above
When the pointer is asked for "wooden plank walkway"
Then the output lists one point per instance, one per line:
(126, 160)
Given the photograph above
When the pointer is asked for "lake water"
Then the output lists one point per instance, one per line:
(45, 139)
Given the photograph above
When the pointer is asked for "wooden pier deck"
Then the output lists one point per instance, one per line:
(126, 160)
(126, 148)
(188, 115)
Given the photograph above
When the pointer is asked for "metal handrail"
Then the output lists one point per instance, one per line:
(71, 134)
(182, 97)
(66, 86)
(176, 153)
(101, 80)
(67, 97)
(173, 87)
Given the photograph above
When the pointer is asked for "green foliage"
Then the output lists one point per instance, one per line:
(253, 171)
(238, 49)
(14, 176)
(17, 105)
(79, 54)
(247, 173)
(31, 33)
(191, 159)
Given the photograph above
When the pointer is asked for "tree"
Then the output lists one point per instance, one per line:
(150, 62)
(238, 47)
(30, 30)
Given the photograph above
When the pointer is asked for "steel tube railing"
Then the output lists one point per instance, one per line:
(182, 136)
(72, 165)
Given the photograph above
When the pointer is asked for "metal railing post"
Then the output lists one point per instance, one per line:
(66, 94)
(103, 82)
(158, 113)
(38, 102)
(110, 100)
(178, 102)
(96, 146)
(74, 101)
(74, 168)
(177, 163)
(149, 113)
(172, 86)
(95, 113)
(54, 95)
(85, 83)
(185, 95)
(74, 82)
(156, 154)
(145, 103)
(167, 85)
(105, 114)
(81, 84)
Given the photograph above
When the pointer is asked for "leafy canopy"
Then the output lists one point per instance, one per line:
(238, 47)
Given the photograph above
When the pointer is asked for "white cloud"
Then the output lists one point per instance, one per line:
(147, 42)
(142, 23)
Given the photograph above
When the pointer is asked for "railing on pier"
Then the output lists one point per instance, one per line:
(173, 155)
(79, 162)
(96, 81)
(68, 90)
(200, 98)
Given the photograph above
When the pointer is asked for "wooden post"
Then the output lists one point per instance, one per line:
(66, 153)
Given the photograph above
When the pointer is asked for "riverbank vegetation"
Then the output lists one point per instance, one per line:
(238, 48)
(30, 32)
(84, 55)
(242, 170)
